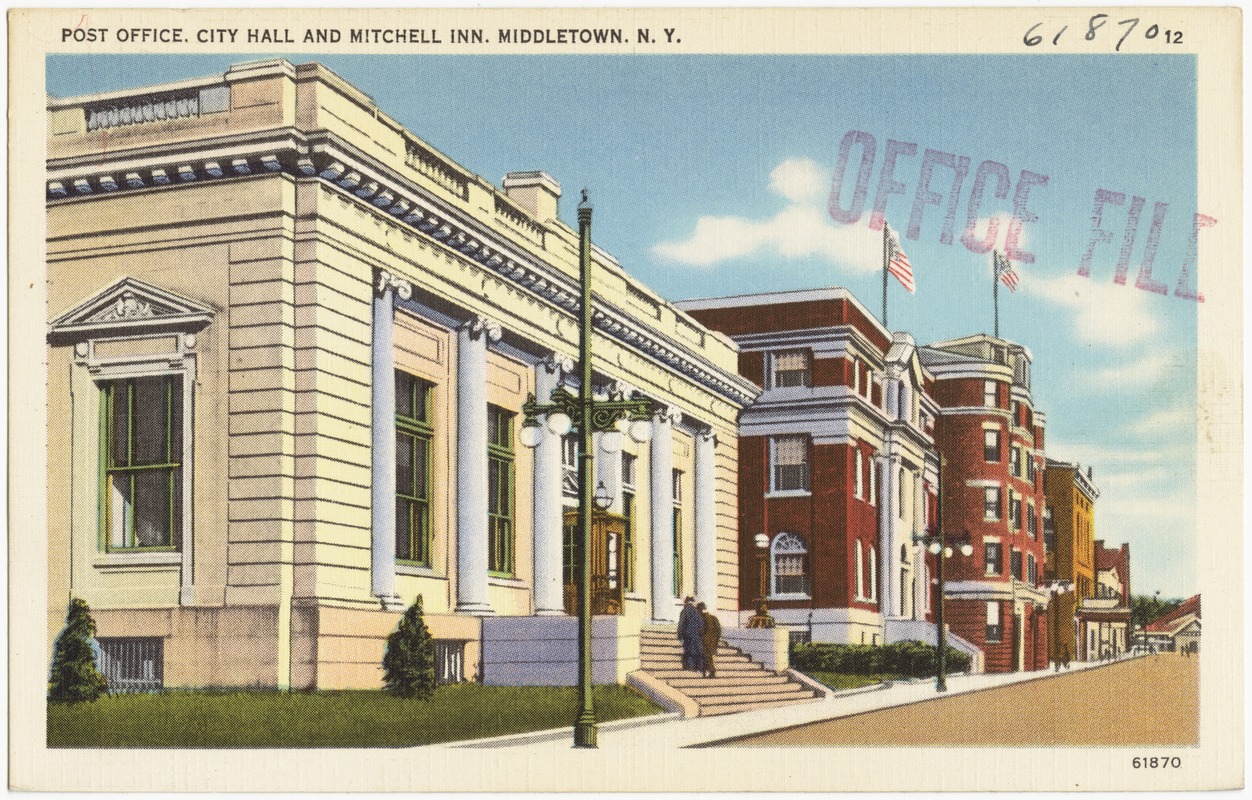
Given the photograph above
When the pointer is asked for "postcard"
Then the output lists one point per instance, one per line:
(625, 400)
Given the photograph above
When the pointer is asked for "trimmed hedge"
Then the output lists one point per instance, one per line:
(913, 659)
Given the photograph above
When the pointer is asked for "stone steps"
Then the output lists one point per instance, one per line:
(741, 684)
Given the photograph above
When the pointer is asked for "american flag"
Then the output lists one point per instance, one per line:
(898, 262)
(1004, 270)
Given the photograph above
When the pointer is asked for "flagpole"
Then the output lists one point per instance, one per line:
(995, 289)
(886, 256)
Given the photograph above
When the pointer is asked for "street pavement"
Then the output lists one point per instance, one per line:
(667, 732)
(1147, 701)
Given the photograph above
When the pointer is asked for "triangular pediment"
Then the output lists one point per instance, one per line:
(129, 305)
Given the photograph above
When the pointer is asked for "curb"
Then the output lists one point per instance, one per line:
(554, 734)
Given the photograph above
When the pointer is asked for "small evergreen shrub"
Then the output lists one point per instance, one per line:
(911, 658)
(74, 677)
(409, 661)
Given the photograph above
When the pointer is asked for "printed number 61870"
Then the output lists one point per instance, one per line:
(1156, 763)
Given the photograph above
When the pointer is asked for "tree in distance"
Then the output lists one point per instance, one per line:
(74, 677)
(409, 661)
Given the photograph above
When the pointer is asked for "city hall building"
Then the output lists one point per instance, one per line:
(288, 347)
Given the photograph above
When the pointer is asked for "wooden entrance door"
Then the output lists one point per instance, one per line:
(607, 534)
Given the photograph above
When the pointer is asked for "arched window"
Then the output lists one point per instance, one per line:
(860, 570)
(791, 565)
(900, 492)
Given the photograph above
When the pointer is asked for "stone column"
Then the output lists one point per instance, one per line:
(549, 512)
(471, 465)
(383, 441)
(706, 518)
(888, 515)
(661, 502)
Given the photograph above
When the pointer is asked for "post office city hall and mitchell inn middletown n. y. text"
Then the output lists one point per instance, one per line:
(848, 422)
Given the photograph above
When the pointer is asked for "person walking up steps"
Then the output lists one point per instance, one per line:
(712, 636)
(690, 631)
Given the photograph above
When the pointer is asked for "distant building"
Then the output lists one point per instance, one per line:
(1176, 629)
(991, 438)
(1071, 496)
(1104, 620)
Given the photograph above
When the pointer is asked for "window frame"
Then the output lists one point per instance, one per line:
(797, 548)
(990, 394)
(501, 524)
(805, 474)
(805, 375)
(990, 548)
(415, 429)
(630, 463)
(993, 511)
(991, 450)
(175, 491)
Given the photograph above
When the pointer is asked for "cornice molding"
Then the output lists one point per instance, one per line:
(339, 166)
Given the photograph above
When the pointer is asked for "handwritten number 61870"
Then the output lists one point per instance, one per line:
(1096, 22)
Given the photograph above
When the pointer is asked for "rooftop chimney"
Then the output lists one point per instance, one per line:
(536, 192)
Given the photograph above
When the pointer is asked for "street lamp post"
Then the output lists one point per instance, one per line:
(934, 541)
(612, 417)
(762, 618)
(1055, 590)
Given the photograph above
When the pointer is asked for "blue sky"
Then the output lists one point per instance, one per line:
(711, 175)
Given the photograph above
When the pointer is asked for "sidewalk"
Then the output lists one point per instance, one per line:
(667, 731)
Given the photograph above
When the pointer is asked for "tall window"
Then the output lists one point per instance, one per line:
(1015, 513)
(791, 567)
(628, 512)
(678, 532)
(995, 630)
(990, 397)
(142, 462)
(1015, 564)
(1032, 570)
(791, 368)
(991, 444)
(499, 491)
(991, 504)
(1049, 531)
(791, 463)
(873, 573)
(994, 554)
(569, 464)
(413, 438)
(1032, 522)
(860, 570)
(859, 466)
(1015, 461)
(856, 375)
(900, 493)
(873, 482)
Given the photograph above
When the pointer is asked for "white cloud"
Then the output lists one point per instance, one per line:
(800, 180)
(801, 230)
(1166, 419)
(1103, 313)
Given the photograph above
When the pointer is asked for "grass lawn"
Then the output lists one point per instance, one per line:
(328, 719)
(844, 680)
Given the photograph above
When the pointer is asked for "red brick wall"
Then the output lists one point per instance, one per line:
(832, 372)
(752, 366)
(790, 317)
(829, 520)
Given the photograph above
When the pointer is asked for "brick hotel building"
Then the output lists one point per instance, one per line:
(991, 438)
(838, 466)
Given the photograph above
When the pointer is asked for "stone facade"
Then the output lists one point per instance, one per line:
(296, 300)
